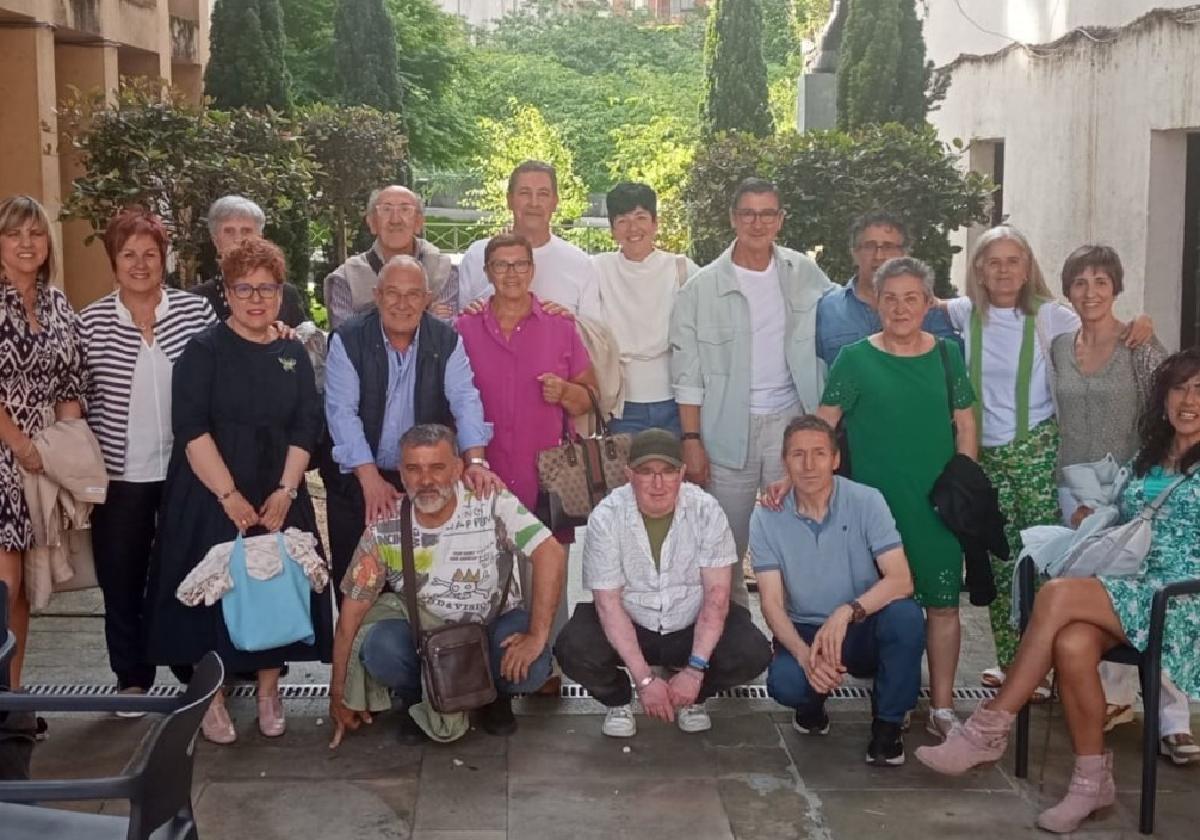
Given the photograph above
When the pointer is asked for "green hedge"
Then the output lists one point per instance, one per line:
(826, 178)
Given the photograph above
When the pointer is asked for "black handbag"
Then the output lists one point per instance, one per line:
(456, 668)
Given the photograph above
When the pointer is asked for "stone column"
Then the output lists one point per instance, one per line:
(28, 163)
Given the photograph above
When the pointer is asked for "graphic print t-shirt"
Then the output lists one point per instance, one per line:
(460, 575)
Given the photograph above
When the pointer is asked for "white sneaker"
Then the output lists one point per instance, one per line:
(619, 722)
(940, 722)
(693, 719)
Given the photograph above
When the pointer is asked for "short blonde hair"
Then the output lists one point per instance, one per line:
(1034, 292)
(15, 211)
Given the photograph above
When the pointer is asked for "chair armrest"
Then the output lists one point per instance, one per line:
(1182, 587)
(21, 702)
(1026, 581)
(67, 790)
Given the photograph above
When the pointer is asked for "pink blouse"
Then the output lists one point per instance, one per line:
(506, 372)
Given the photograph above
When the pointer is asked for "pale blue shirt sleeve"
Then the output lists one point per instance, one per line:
(465, 402)
(350, 447)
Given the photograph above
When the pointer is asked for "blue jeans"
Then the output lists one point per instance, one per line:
(388, 654)
(887, 646)
(637, 417)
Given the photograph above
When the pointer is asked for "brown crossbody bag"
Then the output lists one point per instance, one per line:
(456, 668)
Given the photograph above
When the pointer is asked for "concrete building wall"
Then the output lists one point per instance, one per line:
(49, 46)
(1095, 137)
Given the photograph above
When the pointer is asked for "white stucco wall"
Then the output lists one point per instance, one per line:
(480, 12)
(1095, 136)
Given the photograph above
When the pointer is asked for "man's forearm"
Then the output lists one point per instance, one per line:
(549, 574)
(618, 628)
(784, 631)
(711, 621)
(350, 619)
(689, 418)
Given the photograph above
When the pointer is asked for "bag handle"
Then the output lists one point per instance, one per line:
(410, 570)
(1151, 510)
(941, 343)
(601, 425)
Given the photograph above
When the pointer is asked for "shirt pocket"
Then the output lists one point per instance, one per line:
(715, 346)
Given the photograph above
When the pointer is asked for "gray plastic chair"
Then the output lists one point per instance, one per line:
(157, 781)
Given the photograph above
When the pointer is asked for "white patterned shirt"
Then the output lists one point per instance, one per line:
(616, 555)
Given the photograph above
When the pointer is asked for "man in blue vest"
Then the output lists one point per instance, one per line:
(388, 369)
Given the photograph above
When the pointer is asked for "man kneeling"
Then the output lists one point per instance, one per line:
(835, 589)
(457, 539)
(659, 559)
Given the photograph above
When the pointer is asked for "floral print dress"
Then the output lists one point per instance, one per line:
(37, 371)
(1174, 556)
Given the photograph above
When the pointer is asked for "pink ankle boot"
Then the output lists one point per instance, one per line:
(1091, 789)
(981, 739)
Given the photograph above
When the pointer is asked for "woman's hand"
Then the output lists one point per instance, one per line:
(240, 512)
(554, 387)
(28, 457)
(275, 510)
(1139, 332)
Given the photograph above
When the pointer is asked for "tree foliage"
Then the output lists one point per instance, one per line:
(826, 178)
(735, 92)
(246, 68)
(364, 55)
(658, 153)
(524, 135)
(881, 65)
(154, 149)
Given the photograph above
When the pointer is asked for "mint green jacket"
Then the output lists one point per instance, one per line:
(710, 347)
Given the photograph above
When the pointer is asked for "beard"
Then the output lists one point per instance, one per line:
(432, 500)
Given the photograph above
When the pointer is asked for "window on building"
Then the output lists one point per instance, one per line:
(1189, 327)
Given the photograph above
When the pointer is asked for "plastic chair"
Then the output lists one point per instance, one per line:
(1149, 665)
(157, 781)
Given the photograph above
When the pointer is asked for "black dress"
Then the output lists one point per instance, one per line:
(255, 400)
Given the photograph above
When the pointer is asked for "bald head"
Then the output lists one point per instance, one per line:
(401, 296)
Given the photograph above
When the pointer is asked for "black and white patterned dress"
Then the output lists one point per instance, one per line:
(37, 371)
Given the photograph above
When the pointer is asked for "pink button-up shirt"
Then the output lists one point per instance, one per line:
(506, 374)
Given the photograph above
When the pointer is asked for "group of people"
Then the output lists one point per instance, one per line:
(775, 416)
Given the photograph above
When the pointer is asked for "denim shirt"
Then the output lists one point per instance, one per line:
(710, 347)
(843, 318)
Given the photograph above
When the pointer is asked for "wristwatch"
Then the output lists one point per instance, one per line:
(478, 462)
(858, 613)
(690, 436)
(645, 681)
(291, 491)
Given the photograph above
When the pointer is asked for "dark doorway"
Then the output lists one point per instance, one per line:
(1190, 321)
(998, 180)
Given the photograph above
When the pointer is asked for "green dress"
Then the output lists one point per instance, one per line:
(898, 426)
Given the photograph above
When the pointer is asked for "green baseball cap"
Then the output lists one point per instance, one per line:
(655, 445)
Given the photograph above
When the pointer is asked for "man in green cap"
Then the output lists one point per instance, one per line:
(657, 558)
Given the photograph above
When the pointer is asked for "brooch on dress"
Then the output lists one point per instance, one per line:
(287, 364)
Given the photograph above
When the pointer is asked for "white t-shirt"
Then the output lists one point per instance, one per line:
(771, 386)
(457, 565)
(636, 299)
(563, 274)
(149, 438)
(1002, 334)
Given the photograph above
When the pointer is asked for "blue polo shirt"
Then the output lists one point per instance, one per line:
(842, 318)
(828, 563)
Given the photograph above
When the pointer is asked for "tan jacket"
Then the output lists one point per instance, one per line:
(606, 363)
(60, 498)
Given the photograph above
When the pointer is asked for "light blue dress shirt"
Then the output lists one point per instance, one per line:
(350, 447)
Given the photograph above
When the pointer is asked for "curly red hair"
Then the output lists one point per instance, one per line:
(249, 256)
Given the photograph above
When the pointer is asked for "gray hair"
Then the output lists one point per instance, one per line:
(232, 207)
(373, 198)
(428, 434)
(905, 267)
(404, 261)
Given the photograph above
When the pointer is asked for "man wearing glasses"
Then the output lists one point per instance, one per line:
(744, 362)
(394, 215)
(657, 558)
(848, 314)
(390, 368)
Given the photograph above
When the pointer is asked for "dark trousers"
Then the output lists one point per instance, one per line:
(347, 513)
(123, 531)
(586, 656)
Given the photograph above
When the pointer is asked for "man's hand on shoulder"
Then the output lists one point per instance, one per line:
(482, 481)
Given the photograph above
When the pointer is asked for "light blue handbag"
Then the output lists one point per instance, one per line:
(266, 614)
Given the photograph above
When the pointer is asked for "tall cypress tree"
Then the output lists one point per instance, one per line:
(364, 54)
(881, 65)
(246, 67)
(735, 86)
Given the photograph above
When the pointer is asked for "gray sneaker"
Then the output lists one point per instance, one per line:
(619, 722)
(693, 718)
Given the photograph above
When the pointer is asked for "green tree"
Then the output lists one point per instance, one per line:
(246, 67)
(736, 97)
(658, 153)
(364, 55)
(524, 135)
(881, 66)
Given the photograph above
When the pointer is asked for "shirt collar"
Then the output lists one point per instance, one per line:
(790, 505)
(388, 344)
(418, 249)
(124, 316)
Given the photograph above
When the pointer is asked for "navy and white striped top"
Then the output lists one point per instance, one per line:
(111, 345)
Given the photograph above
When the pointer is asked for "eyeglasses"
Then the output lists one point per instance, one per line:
(649, 474)
(887, 249)
(394, 296)
(245, 291)
(404, 210)
(513, 267)
(748, 216)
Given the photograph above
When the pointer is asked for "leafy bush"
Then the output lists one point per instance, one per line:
(826, 178)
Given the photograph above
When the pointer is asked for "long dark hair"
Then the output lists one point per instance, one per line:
(1154, 429)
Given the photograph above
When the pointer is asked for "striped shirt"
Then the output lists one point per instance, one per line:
(111, 344)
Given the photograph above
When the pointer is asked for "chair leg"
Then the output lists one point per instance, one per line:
(1151, 692)
(1022, 751)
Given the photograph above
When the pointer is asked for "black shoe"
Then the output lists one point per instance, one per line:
(811, 723)
(497, 717)
(408, 732)
(886, 748)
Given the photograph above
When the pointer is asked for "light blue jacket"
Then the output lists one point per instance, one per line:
(710, 347)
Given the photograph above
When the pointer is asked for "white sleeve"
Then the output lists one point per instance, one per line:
(958, 310)
(472, 282)
(1062, 319)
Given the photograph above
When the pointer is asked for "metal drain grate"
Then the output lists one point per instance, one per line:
(320, 691)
